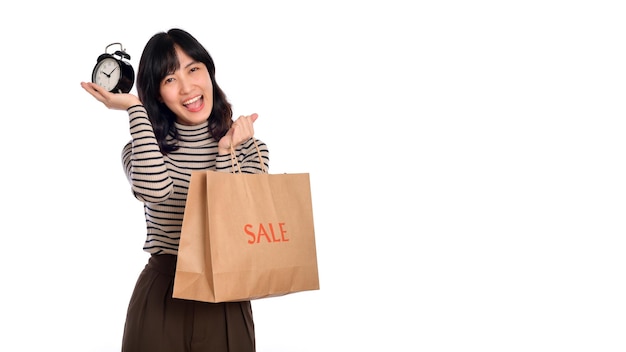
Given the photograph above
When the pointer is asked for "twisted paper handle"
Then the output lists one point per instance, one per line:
(234, 160)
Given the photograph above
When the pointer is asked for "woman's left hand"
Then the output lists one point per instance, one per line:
(240, 131)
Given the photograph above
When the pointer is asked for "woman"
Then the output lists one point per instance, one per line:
(180, 122)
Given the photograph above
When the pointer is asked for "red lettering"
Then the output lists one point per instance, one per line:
(255, 237)
(283, 231)
(272, 230)
(246, 229)
(262, 232)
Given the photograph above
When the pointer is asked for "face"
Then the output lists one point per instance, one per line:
(188, 92)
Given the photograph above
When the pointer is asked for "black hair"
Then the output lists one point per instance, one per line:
(157, 61)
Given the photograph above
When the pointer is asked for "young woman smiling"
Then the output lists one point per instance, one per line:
(179, 122)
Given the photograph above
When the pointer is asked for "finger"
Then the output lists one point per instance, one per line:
(90, 86)
(92, 89)
(251, 117)
(239, 122)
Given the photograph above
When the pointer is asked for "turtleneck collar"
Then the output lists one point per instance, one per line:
(193, 133)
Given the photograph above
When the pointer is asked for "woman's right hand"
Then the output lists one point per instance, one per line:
(115, 101)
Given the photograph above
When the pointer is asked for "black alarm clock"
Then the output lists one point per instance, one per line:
(113, 72)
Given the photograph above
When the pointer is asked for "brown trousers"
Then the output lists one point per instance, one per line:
(157, 322)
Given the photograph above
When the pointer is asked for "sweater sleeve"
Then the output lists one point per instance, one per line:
(143, 161)
(249, 159)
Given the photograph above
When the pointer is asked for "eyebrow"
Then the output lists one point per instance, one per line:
(193, 62)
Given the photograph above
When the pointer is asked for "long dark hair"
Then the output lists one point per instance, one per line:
(158, 60)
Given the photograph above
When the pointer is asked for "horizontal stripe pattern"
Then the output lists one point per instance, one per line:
(161, 182)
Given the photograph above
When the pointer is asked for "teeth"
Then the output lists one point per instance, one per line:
(192, 100)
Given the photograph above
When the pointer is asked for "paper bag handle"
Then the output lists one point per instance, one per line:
(233, 158)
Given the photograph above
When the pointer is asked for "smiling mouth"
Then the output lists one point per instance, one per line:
(194, 104)
(192, 100)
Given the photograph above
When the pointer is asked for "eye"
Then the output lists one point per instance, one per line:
(167, 80)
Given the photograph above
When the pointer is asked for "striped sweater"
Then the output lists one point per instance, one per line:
(161, 182)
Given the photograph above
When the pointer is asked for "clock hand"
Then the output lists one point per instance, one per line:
(108, 75)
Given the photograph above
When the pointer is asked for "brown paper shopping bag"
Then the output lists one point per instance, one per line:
(246, 236)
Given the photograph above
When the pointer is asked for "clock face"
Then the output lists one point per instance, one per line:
(107, 73)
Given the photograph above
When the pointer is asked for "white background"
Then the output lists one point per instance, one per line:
(466, 161)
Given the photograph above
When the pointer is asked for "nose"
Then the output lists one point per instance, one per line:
(185, 85)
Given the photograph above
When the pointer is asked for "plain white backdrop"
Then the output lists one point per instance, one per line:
(466, 161)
